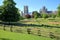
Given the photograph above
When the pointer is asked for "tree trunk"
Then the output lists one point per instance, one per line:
(11, 28)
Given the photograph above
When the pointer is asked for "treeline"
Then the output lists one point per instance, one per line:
(36, 14)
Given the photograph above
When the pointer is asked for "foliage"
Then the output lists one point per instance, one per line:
(10, 12)
(58, 14)
(53, 15)
(21, 18)
(44, 15)
(35, 14)
(27, 16)
(0, 9)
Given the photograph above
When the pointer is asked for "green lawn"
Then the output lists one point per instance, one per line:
(5, 35)
(22, 31)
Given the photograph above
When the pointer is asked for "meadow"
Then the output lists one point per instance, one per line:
(39, 28)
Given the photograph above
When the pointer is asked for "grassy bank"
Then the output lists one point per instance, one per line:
(5, 35)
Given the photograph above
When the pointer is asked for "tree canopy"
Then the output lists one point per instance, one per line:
(58, 14)
(9, 12)
(35, 14)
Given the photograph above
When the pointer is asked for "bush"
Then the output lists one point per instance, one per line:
(44, 15)
(28, 16)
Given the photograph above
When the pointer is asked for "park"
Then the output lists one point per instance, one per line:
(38, 27)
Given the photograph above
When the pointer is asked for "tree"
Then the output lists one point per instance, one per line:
(9, 12)
(58, 14)
(28, 16)
(35, 14)
(44, 15)
(1, 7)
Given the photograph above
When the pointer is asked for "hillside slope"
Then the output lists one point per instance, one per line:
(5, 35)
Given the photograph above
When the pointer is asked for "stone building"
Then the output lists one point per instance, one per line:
(25, 10)
(44, 10)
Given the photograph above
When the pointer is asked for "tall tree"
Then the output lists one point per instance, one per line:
(58, 14)
(35, 14)
(10, 13)
(1, 7)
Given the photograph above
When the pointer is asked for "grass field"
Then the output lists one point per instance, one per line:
(34, 30)
(44, 25)
(5, 35)
(42, 21)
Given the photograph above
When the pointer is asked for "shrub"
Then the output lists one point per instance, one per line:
(44, 15)
(28, 16)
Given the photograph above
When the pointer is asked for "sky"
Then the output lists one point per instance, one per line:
(36, 5)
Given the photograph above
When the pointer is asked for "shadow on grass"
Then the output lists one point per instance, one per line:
(4, 39)
(35, 25)
(31, 25)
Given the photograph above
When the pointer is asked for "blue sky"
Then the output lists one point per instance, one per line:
(36, 4)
